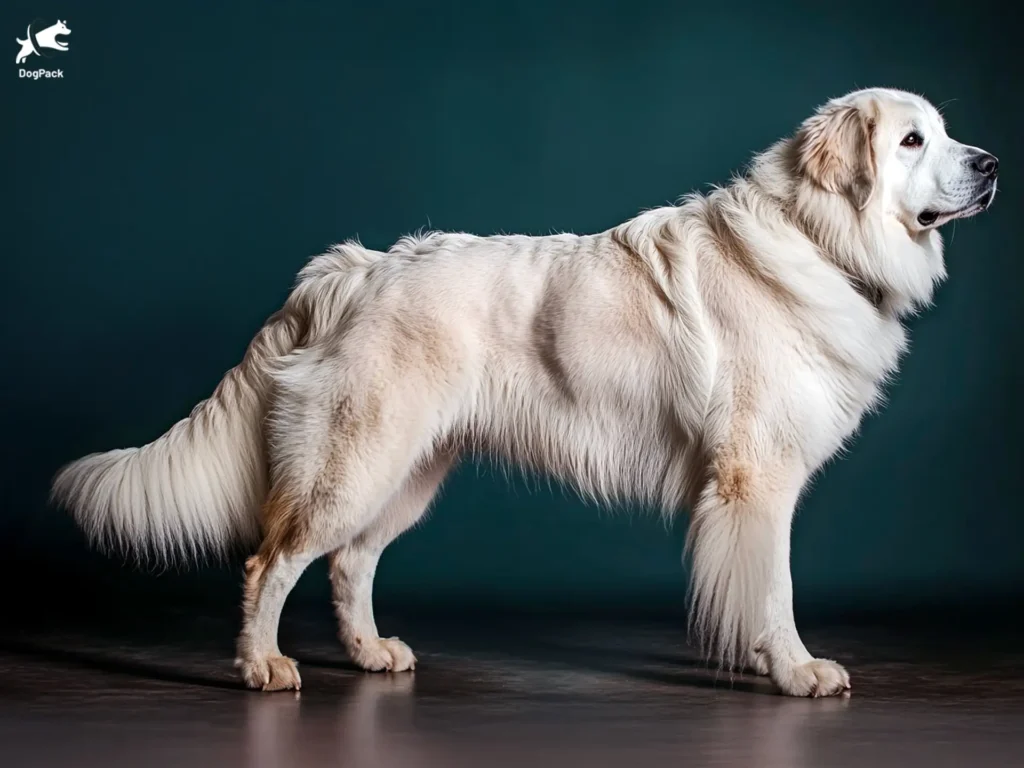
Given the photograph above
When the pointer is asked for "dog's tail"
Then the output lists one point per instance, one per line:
(198, 489)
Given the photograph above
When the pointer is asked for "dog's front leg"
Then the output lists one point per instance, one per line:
(742, 590)
(779, 651)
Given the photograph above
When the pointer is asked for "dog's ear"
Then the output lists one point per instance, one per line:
(836, 151)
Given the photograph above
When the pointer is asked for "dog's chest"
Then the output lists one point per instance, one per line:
(836, 379)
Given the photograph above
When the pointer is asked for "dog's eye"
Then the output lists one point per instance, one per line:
(912, 139)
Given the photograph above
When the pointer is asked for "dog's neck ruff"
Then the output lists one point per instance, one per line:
(873, 294)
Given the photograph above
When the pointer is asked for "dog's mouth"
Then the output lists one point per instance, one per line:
(938, 218)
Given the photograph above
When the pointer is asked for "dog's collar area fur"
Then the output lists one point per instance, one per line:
(871, 293)
(874, 294)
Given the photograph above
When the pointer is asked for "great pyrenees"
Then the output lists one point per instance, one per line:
(708, 356)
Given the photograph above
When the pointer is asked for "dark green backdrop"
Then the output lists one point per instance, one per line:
(159, 199)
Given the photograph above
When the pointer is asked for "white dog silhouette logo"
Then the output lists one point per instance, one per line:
(44, 38)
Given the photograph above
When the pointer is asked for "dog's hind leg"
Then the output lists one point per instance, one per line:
(344, 436)
(269, 577)
(300, 526)
(352, 569)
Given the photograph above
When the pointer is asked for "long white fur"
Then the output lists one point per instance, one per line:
(198, 489)
(711, 355)
(195, 490)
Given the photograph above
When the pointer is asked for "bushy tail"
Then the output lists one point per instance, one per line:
(199, 488)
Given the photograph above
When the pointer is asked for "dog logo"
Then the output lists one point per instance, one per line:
(44, 38)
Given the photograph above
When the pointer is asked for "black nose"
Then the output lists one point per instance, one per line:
(986, 164)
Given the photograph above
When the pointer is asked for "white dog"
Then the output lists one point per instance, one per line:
(709, 356)
(46, 38)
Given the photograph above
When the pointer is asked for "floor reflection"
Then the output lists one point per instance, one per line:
(533, 695)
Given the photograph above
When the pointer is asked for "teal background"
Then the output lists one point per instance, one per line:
(159, 199)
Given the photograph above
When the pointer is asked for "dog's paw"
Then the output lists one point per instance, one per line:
(272, 673)
(381, 654)
(818, 677)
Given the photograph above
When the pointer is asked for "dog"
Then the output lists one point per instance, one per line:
(708, 356)
(46, 38)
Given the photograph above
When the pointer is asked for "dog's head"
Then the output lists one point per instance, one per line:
(888, 151)
(48, 38)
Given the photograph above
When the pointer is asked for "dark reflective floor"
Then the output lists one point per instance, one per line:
(160, 691)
